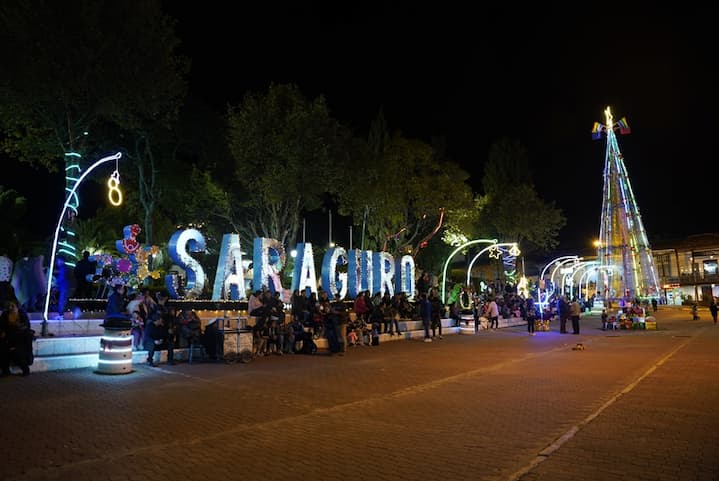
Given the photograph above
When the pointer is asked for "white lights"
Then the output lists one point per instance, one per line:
(115, 351)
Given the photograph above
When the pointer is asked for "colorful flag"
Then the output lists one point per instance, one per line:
(597, 131)
(624, 126)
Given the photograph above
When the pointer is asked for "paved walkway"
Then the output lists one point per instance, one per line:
(502, 405)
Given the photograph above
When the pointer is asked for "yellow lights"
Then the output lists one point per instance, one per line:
(597, 243)
(514, 250)
(610, 118)
(114, 194)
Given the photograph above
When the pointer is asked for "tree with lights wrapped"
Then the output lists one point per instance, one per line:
(627, 269)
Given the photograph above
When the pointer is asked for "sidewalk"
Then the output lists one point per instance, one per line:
(632, 405)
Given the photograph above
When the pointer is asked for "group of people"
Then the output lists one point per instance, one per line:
(156, 325)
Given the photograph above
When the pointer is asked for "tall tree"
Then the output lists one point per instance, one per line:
(75, 69)
(400, 192)
(288, 157)
(511, 208)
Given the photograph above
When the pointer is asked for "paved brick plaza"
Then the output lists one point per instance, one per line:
(634, 405)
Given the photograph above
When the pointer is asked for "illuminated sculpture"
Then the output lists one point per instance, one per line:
(180, 243)
(336, 282)
(269, 259)
(230, 279)
(384, 273)
(304, 274)
(404, 275)
(623, 246)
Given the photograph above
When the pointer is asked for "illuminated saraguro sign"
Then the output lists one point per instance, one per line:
(377, 272)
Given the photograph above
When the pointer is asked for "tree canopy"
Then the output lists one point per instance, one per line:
(511, 209)
(288, 158)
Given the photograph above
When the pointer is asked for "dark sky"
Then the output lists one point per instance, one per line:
(542, 75)
(473, 73)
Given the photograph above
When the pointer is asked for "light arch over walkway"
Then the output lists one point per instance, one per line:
(454, 252)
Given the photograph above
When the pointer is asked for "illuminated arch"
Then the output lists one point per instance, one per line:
(454, 252)
(512, 245)
(543, 302)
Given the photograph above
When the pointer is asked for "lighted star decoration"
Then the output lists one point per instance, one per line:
(495, 252)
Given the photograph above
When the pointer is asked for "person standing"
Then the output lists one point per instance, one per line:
(425, 312)
(575, 311)
(713, 310)
(493, 314)
(423, 283)
(437, 309)
(84, 271)
(563, 307)
(531, 314)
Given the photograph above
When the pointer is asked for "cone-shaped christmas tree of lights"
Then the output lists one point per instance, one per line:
(627, 269)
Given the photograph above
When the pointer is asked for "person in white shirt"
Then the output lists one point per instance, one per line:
(493, 314)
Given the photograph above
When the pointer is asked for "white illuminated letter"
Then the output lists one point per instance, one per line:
(229, 270)
(304, 274)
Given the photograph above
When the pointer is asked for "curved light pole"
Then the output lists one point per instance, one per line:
(596, 269)
(581, 266)
(114, 190)
(474, 259)
(556, 268)
(466, 244)
(541, 279)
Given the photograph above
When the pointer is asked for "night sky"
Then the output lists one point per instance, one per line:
(541, 75)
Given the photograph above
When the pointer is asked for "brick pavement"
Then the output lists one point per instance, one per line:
(466, 408)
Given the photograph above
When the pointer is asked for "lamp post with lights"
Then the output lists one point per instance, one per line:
(115, 198)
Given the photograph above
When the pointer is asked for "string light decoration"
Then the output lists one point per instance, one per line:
(623, 245)
(494, 250)
(66, 247)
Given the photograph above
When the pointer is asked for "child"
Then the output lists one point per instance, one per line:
(138, 325)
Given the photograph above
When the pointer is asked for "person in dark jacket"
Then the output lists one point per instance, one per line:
(116, 309)
(15, 339)
(159, 333)
(425, 312)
